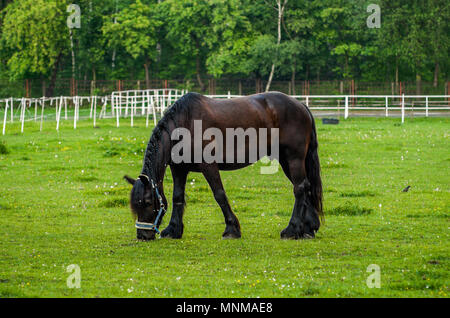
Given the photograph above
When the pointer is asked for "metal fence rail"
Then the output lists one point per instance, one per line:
(153, 102)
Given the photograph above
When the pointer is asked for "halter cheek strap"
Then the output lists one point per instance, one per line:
(161, 212)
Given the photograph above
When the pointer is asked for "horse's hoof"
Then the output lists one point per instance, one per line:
(170, 233)
(231, 235)
(289, 234)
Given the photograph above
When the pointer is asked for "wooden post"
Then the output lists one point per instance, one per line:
(27, 88)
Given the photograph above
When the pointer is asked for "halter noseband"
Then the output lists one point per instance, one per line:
(161, 212)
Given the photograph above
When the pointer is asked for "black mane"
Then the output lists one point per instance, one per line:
(178, 114)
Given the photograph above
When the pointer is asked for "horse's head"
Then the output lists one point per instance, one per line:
(147, 206)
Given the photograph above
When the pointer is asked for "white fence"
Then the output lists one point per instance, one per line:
(133, 103)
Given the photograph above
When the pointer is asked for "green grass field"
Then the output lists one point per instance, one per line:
(63, 201)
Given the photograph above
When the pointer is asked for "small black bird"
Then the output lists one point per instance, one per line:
(406, 189)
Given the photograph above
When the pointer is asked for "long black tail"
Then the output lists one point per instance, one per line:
(313, 171)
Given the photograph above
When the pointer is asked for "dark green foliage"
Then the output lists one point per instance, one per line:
(349, 210)
(206, 39)
(3, 149)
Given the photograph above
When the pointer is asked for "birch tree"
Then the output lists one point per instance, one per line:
(281, 5)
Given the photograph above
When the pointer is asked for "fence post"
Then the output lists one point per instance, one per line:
(11, 106)
(387, 105)
(58, 112)
(126, 106)
(403, 108)
(426, 106)
(65, 108)
(112, 104)
(4, 119)
(133, 100)
(35, 110)
(118, 113)
(346, 107)
(42, 112)
(22, 113)
(75, 113)
(95, 110)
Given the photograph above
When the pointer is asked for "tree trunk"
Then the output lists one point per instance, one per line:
(72, 52)
(396, 72)
(396, 75)
(346, 66)
(280, 16)
(258, 84)
(147, 75)
(436, 74)
(197, 70)
(418, 84)
(94, 78)
(293, 76)
(53, 77)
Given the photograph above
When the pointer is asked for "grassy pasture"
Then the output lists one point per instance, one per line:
(63, 201)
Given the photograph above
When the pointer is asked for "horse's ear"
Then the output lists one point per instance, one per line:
(129, 179)
(145, 179)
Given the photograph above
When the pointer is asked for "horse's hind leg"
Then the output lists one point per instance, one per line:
(304, 220)
(212, 176)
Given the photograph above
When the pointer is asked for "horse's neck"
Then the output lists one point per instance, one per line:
(155, 163)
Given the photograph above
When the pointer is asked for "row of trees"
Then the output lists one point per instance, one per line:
(264, 39)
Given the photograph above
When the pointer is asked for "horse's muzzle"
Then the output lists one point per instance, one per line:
(145, 235)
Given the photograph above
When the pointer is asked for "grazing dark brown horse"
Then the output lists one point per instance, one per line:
(297, 155)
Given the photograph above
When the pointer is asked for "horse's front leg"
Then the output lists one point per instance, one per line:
(212, 176)
(175, 227)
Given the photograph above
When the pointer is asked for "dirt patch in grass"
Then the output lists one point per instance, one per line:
(349, 210)
(357, 194)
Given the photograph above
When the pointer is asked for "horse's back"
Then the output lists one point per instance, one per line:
(270, 110)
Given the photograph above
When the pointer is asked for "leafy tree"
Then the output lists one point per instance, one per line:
(36, 35)
(230, 39)
(189, 25)
(437, 30)
(135, 31)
